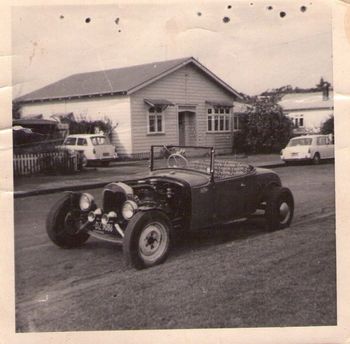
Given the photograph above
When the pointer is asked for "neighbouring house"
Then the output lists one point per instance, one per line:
(170, 102)
(308, 110)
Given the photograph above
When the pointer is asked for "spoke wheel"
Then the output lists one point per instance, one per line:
(177, 160)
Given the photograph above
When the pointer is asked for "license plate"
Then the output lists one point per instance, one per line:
(105, 154)
(104, 229)
(294, 154)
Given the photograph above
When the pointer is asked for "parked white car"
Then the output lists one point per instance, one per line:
(310, 147)
(95, 147)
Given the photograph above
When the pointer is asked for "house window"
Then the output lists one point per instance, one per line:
(235, 122)
(298, 121)
(220, 121)
(216, 123)
(155, 120)
(301, 122)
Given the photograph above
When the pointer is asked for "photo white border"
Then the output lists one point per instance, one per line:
(312, 335)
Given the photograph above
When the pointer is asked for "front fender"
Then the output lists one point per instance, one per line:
(74, 197)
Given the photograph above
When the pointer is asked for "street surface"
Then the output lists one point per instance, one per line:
(236, 276)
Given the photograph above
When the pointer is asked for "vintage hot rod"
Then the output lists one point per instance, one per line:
(186, 189)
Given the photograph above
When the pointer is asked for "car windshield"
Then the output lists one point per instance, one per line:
(182, 157)
(99, 140)
(300, 142)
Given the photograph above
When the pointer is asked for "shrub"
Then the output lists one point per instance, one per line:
(328, 126)
(85, 126)
(264, 128)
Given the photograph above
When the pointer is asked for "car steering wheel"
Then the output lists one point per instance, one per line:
(177, 160)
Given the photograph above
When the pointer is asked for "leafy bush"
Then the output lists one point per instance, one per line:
(264, 128)
(328, 126)
(85, 126)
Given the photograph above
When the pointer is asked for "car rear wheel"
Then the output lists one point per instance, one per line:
(62, 224)
(147, 240)
(82, 161)
(316, 159)
(279, 208)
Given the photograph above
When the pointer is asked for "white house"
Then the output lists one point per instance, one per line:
(170, 102)
(308, 110)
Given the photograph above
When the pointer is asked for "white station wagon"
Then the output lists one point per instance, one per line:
(309, 147)
(95, 147)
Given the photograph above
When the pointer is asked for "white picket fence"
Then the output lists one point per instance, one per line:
(31, 163)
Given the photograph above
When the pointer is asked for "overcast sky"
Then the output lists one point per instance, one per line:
(248, 44)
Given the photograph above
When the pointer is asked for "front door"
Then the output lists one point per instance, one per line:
(182, 129)
(187, 128)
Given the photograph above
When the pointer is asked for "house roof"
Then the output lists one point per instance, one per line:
(33, 121)
(118, 81)
(306, 101)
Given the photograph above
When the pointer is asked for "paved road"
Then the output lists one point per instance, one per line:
(234, 277)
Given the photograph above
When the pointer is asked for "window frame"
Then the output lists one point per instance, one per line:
(157, 115)
(235, 123)
(218, 117)
(301, 121)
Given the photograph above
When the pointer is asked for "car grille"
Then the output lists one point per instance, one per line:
(113, 201)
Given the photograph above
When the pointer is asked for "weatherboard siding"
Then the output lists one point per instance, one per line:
(186, 86)
(116, 108)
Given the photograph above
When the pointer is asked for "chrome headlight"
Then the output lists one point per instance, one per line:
(91, 216)
(86, 201)
(129, 209)
(104, 219)
(112, 215)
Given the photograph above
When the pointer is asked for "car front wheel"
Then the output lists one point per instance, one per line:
(279, 208)
(63, 222)
(147, 240)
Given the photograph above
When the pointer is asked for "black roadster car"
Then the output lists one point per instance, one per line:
(186, 189)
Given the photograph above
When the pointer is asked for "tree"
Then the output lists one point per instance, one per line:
(85, 126)
(322, 84)
(328, 126)
(264, 128)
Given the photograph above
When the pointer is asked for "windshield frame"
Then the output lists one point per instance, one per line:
(209, 148)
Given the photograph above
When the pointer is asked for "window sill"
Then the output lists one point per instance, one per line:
(155, 134)
(219, 132)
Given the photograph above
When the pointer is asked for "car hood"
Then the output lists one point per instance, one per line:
(261, 170)
(193, 178)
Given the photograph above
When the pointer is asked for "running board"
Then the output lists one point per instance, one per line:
(243, 219)
(106, 237)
